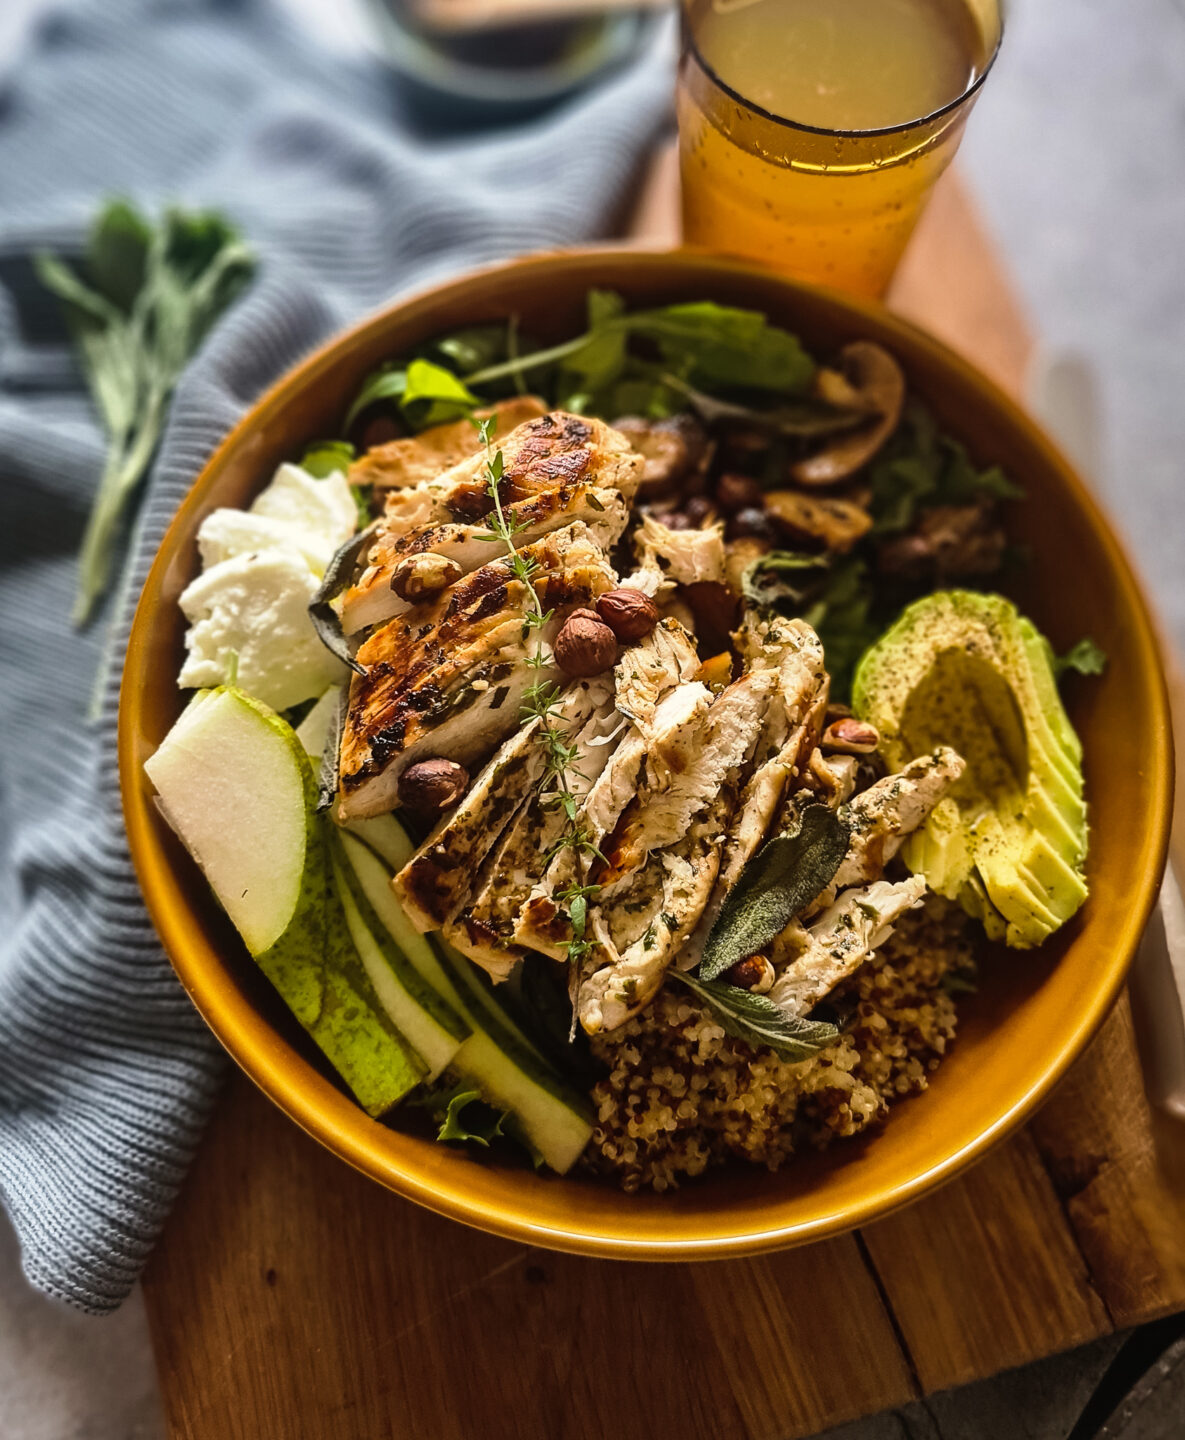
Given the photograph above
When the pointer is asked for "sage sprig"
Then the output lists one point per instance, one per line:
(756, 1020)
(149, 297)
(338, 577)
(783, 878)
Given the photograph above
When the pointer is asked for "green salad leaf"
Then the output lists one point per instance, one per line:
(1085, 658)
(756, 1020)
(426, 393)
(785, 875)
(467, 1117)
(338, 577)
(326, 458)
(144, 299)
(921, 466)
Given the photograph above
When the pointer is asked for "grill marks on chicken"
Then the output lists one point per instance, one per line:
(448, 679)
(677, 788)
(402, 464)
(557, 469)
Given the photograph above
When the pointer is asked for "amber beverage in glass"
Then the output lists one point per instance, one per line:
(811, 132)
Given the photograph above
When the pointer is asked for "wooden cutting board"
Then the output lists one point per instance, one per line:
(289, 1297)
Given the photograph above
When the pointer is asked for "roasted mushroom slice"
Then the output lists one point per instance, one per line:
(675, 453)
(835, 524)
(879, 386)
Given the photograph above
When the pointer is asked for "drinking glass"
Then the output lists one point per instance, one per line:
(830, 205)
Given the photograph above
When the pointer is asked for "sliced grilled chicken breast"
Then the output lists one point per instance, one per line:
(842, 939)
(684, 556)
(449, 678)
(674, 890)
(883, 816)
(400, 464)
(441, 876)
(556, 470)
(483, 927)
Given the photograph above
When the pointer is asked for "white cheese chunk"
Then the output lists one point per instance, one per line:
(256, 606)
(226, 533)
(321, 507)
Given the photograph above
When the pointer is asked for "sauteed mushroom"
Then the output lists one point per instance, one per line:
(871, 379)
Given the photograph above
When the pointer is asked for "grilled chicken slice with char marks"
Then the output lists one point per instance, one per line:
(556, 470)
(449, 678)
(483, 927)
(400, 464)
(842, 939)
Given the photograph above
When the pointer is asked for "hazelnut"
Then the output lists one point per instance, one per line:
(585, 645)
(752, 523)
(699, 510)
(849, 736)
(433, 784)
(754, 973)
(630, 614)
(420, 577)
(738, 492)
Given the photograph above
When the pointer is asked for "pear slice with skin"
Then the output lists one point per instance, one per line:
(236, 785)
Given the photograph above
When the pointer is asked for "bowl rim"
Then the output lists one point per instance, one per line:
(316, 1105)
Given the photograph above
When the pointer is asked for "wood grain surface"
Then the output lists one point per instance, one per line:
(289, 1297)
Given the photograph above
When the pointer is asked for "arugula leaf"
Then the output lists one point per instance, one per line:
(327, 457)
(386, 383)
(919, 466)
(714, 344)
(785, 875)
(599, 362)
(467, 1117)
(437, 393)
(427, 394)
(764, 583)
(756, 1020)
(808, 418)
(146, 300)
(339, 576)
(1085, 658)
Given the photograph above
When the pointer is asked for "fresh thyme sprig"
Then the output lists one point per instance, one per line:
(541, 704)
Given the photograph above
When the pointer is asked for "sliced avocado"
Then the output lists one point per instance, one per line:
(1009, 842)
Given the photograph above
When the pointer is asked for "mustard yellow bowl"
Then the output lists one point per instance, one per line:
(1034, 1012)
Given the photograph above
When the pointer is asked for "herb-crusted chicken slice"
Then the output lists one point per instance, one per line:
(882, 817)
(686, 557)
(401, 464)
(648, 670)
(842, 939)
(556, 470)
(483, 927)
(449, 680)
(676, 883)
(794, 720)
(441, 877)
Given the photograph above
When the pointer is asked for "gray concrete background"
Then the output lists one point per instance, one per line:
(1077, 156)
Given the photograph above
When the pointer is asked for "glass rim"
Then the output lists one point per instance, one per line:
(901, 128)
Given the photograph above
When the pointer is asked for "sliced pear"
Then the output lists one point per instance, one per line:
(236, 785)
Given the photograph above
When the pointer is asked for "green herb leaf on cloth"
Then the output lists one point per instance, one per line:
(143, 301)
(785, 875)
(756, 1020)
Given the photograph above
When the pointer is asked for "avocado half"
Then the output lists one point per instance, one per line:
(1009, 841)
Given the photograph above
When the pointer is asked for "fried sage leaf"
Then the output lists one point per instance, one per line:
(781, 879)
(757, 1021)
(329, 775)
(339, 575)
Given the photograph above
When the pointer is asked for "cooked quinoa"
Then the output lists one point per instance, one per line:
(681, 1095)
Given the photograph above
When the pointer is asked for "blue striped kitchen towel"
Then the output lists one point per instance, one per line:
(106, 1072)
